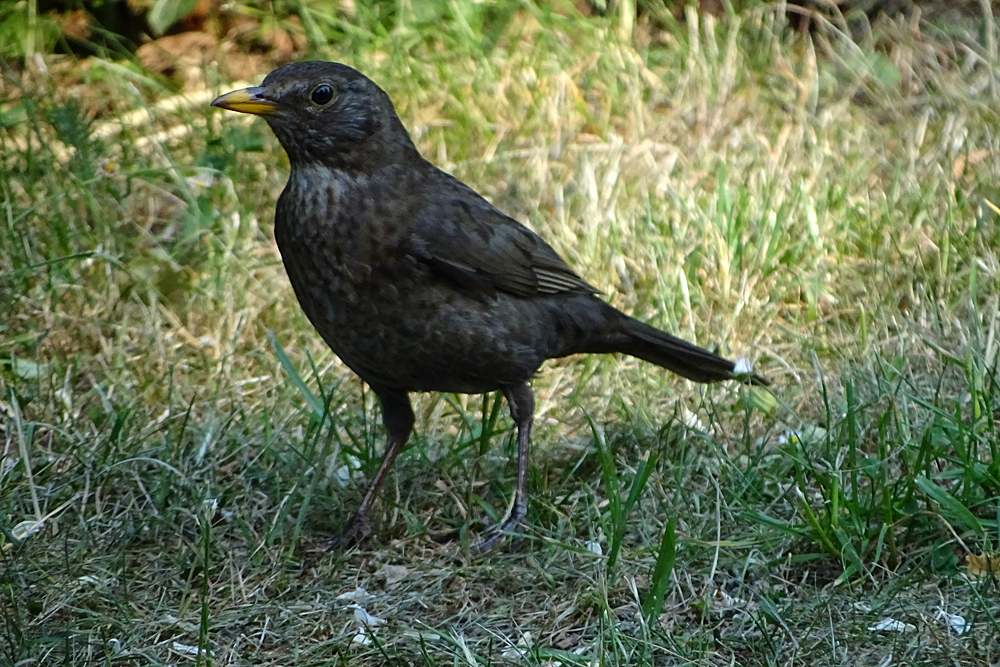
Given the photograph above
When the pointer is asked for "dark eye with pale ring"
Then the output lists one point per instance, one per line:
(322, 94)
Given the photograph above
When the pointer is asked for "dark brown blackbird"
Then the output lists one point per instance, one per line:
(418, 283)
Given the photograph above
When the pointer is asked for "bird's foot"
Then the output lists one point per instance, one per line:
(498, 537)
(358, 528)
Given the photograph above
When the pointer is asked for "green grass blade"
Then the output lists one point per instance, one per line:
(956, 512)
(665, 559)
(646, 465)
(315, 404)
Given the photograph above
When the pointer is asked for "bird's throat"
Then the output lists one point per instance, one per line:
(319, 188)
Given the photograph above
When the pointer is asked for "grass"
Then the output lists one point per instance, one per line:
(173, 431)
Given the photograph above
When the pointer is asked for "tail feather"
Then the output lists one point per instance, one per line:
(586, 324)
(679, 356)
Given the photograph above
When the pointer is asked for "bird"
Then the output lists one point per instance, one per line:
(417, 282)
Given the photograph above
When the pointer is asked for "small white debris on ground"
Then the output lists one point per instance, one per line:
(520, 649)
(365, 619)
(954, 621)
(892, 625)
(358, 595)
(366, 622)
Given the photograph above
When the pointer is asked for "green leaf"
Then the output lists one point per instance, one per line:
(315, 404)
(646, 465)
(165, 13)
(26, 369)
(762, 400)
(954, 510)
(665, 559)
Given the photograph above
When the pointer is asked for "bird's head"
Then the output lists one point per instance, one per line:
(326, 112)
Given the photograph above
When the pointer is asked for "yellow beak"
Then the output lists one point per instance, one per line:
(247, 100)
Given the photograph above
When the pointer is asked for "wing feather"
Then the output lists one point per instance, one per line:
(483, 251)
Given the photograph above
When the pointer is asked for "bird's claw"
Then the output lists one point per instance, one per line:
(499, 537)
(357, 529)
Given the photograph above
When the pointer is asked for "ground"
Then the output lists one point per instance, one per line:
(821, 201)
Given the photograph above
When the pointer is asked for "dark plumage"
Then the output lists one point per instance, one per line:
(414, 280)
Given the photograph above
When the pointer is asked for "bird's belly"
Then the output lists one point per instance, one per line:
(412, 334)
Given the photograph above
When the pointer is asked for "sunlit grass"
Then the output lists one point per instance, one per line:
(814, 201)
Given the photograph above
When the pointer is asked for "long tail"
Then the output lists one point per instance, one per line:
(593, 326)
(679, 356)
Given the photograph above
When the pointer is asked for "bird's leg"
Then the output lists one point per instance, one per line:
(522, 408)
(398, 418)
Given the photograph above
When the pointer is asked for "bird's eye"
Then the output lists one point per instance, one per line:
(322, 94)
